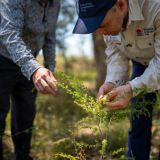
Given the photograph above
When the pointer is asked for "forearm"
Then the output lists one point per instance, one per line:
(117, 66)
(149, 81)
(12, 21)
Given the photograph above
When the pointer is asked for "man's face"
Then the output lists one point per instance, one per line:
(113, 21)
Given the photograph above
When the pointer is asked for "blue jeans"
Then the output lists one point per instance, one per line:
(139, 138)
(15, 87)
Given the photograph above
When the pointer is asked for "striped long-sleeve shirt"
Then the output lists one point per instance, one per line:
(26, 27)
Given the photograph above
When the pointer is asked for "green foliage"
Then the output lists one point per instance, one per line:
(87, 101)
(66, 131)
(94, 109)
(104, 147)
(62, 156)
(115, 153)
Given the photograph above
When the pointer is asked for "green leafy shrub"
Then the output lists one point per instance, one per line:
(97, 117)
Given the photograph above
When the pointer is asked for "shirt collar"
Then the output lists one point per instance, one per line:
(135, 11)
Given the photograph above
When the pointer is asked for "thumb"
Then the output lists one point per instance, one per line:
(112, 94)
(100, 93)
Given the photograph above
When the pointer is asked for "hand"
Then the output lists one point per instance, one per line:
(119, 97)
(105, 89)
(44, 81)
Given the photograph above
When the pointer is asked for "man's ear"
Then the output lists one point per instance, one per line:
(121, 4)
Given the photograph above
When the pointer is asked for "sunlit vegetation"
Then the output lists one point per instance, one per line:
(73, 125)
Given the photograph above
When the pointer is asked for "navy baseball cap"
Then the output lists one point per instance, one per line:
(91, 14)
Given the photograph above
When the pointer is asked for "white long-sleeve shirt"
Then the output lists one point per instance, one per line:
(141, 43)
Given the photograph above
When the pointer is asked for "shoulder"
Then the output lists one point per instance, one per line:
(152, 5)
(151, 9)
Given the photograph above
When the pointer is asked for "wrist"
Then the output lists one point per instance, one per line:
(129, 89)
(34, 75)
(111, 84)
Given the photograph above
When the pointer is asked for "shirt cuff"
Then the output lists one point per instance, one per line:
(137, 87)
(29, 68)
(50, 67)
(116, 79)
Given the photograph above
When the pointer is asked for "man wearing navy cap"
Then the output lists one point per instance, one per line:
(131, 30)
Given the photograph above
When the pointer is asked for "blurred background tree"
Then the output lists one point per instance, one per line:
(99, 56)
(67, 19)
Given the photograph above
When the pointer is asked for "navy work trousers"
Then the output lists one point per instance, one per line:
(15, 88)
(139, 138)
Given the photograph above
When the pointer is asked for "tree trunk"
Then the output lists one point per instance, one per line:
(100, 59)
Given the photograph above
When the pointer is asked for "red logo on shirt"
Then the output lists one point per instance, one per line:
(139, 32)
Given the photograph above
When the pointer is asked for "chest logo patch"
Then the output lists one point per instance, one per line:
(144, 31)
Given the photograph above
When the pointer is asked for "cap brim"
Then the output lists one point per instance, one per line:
(88, 25)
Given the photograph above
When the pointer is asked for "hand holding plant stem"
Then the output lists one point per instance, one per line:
(44, 81)
(117, 98)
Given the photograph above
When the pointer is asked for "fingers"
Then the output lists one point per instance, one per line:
(119, 97)
(111, 104)
(115, 102)
(39, 87)
(112, 95)
(43, 87)
(114, 105)
(47, 86)
(51, 83)
(44, 81)
(104, 89)
(100, 93)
